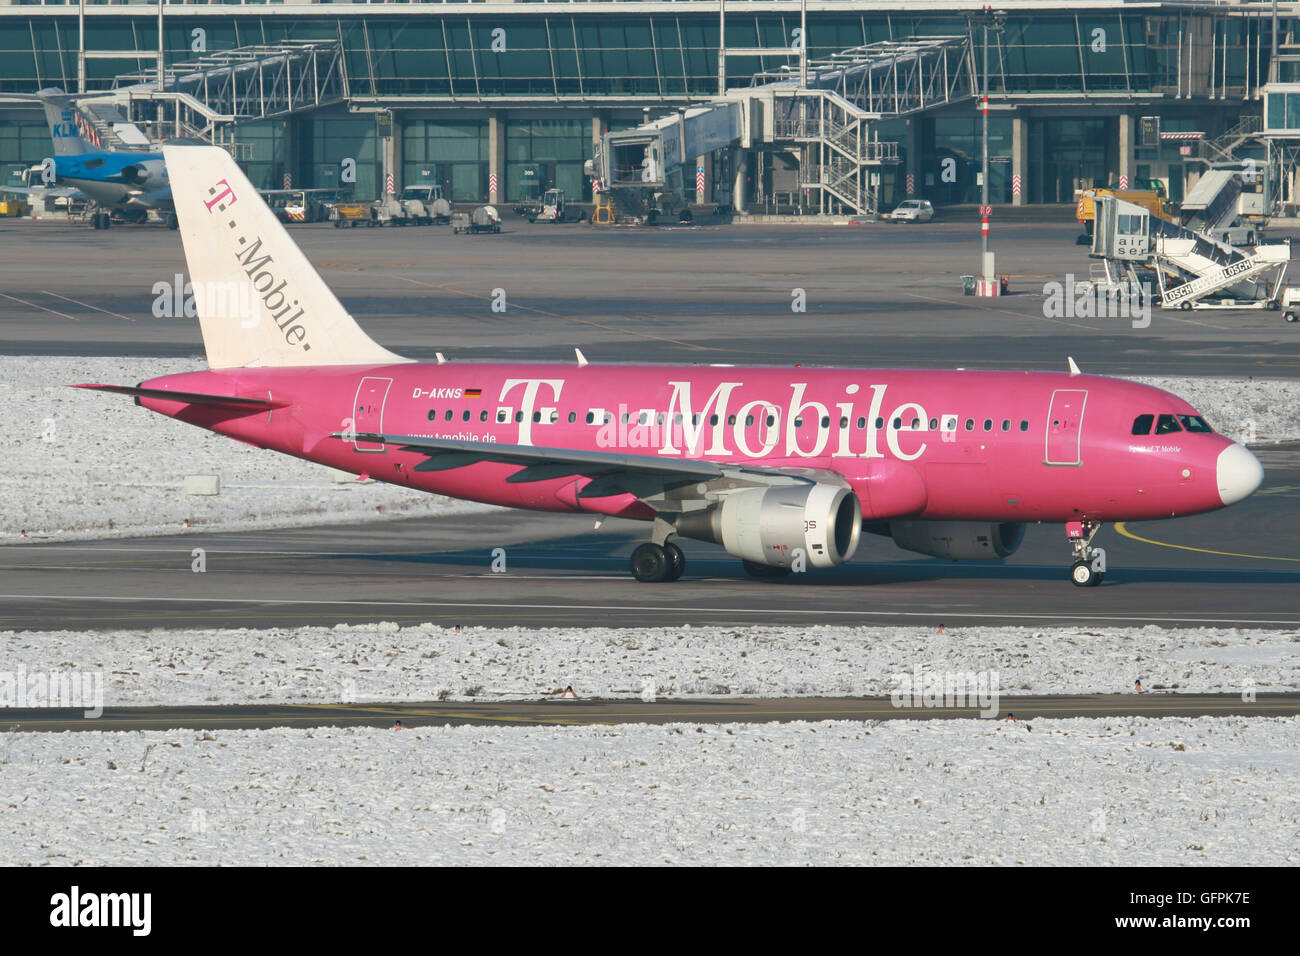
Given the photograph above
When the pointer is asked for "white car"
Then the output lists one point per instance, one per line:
(912, 210)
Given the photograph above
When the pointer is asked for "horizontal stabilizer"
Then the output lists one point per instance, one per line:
(192, 398)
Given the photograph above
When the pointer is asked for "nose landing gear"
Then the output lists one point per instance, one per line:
(1089, 568)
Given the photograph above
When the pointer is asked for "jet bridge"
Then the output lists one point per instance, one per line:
(830, 124)
(1192, 270)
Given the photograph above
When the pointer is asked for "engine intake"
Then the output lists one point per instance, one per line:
(959, 540)
(767, 525)
(147, 175)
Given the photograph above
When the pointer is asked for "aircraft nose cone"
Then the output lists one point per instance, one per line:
(1238, 472)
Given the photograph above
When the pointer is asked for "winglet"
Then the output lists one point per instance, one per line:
(582, 359)
(1074, 368)
(442, 359)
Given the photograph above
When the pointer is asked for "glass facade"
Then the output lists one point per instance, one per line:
(952, 159)
(547, 71)
(444, 52)
(559, 146)
(451, 154)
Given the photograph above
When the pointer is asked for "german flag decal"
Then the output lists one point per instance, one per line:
(473, 393)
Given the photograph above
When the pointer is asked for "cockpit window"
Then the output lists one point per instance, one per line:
(1167, 424)
(1142, 424)
(1195, 423)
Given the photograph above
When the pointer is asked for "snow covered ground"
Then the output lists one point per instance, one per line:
(386, 662)
(90, 465)
(1066, 792)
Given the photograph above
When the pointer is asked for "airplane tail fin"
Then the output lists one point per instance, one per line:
(67, 129)
(259, 301)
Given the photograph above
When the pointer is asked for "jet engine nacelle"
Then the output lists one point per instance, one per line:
(767, 525)
(959, 540)
(147, 175)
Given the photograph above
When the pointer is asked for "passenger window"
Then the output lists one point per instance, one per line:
(970, 424)
(880, 423)
(862, 422)
(433, 414)
(1195, 423)
(1142, 424)
(519, 417)
(934, 424)
(798, 422)
(771, 420)
(749, 421)
(591, 417)
(1024, 425)
(1167, 425)
(844, 421)
(482, 416)
(731, 419)
(465, 415)
(898, 423)
(537, 417)
(713, 419)
(826, 421)
(988, 424)
(573, 417)
(503, 415)
(1006, 424)
(447, 416)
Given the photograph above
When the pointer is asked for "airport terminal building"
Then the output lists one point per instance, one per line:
(481, 96)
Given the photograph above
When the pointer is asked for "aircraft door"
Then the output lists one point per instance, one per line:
(368, 410)
(1065, 426)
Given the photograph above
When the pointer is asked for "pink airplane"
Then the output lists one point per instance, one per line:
(783, 467)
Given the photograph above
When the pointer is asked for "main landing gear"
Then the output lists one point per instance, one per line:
(658, 559)
(658, 562)
(1089, 568)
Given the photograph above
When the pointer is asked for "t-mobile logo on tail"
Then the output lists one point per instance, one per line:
(219, 196)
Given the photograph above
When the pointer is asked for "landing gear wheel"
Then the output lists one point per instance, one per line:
(756, 570)
(677, 562)
(651, 563)
(1083, 576)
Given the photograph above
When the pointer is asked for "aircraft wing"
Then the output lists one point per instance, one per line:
(543, 463)
(42, 190)
(612, 473)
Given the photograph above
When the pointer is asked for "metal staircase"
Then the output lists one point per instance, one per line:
(1222, 149)
(831, 122)
(850, 92)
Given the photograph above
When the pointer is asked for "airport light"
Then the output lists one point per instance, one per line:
(994, 20)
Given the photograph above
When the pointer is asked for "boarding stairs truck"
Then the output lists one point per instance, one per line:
(1224, 206)
(1192, 270)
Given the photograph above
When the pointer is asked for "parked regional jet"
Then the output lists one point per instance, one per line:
(784, 467)
(127, 183)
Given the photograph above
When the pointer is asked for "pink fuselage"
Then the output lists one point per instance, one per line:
(1074, 457)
